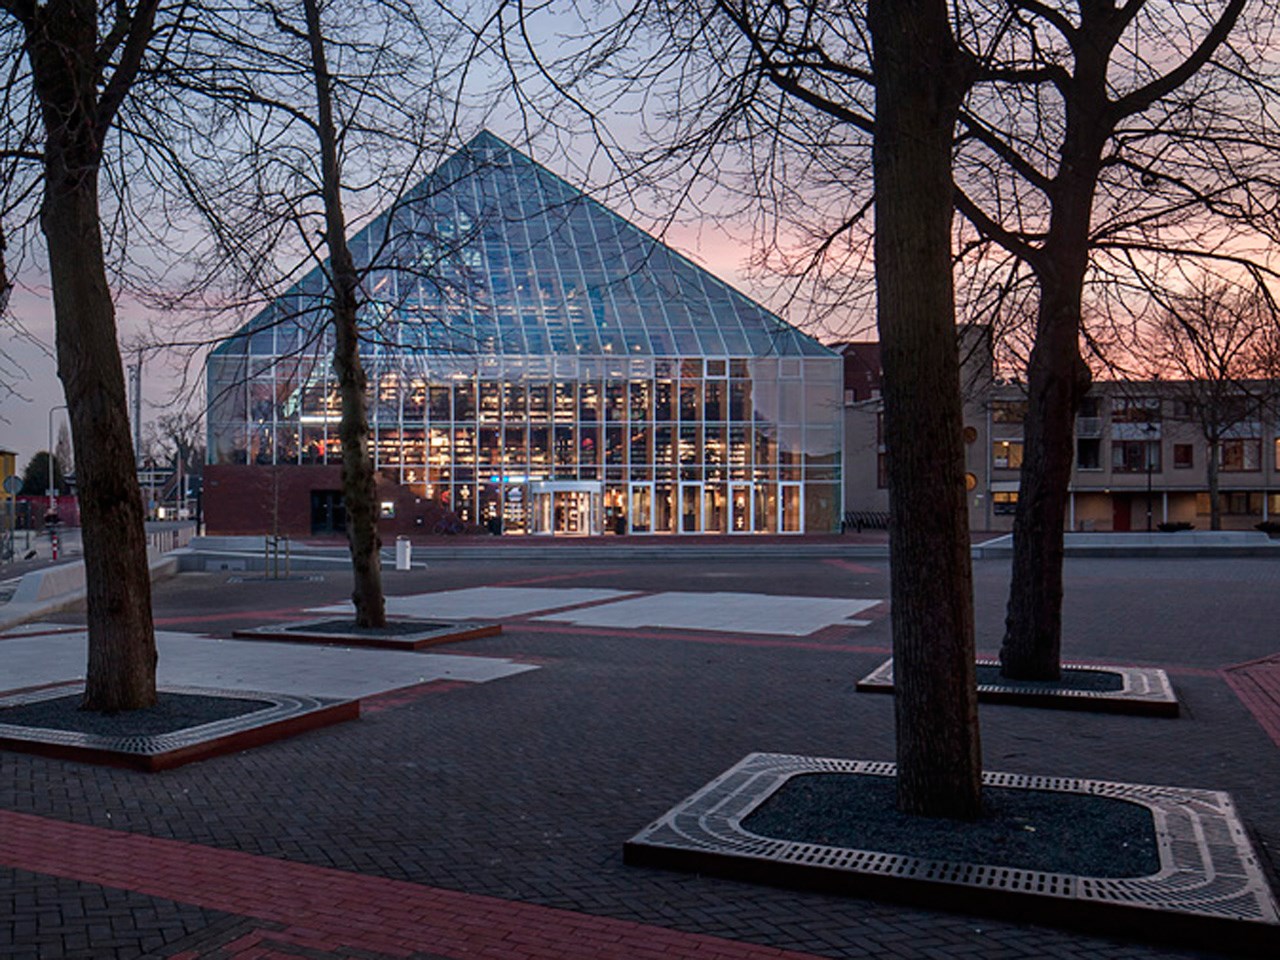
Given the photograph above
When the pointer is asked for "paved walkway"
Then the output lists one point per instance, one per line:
(335, 910)
(479, 806)
(1257, 684)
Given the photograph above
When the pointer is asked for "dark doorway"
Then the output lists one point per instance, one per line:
(328, 513)
(1121, 512)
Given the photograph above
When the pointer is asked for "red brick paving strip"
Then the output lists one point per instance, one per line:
(339, 909)
(1257, 684)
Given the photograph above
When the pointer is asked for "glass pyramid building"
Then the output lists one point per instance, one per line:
(537, 364)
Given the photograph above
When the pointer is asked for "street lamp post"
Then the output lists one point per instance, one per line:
(53, 488)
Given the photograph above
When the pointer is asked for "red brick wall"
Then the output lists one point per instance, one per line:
(241, 500)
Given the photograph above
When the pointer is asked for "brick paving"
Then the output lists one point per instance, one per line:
(1257, 684)
(510, 800)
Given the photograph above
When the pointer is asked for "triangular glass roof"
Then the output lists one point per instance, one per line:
(495, 255)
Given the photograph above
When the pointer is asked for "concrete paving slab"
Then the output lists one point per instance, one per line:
(485, 602)
(187, 660)
(728, 612)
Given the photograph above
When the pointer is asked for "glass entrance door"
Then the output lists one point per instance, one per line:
(690, 508)
(790, 508)
(640, 515)
(741, 519)
(566, 507)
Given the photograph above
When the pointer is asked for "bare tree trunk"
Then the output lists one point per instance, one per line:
(1211, 471)
(359, 490)
(121, 672)
(1056, 380)
(920, 82)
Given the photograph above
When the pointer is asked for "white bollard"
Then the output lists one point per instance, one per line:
(404, 553)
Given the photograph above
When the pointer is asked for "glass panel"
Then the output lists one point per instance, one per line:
(539, 401)
(566, 402)
(589, 402)
(664, 508)
(690, 400)
(641, 445)
(715, 395)
(615, 450)
(791, 516)
(464, 445)
(821, 507)
(464, 401)
(616, 400)
(662, 404)
(515, 450)
(539, 446)
(766, 508)
(438, 403)
(491, 450)
(714, 513)
(490, 402)
(515, 516)
(740, 508)
(690, 508)
(641, 400)
(565, 454)
(641, 513)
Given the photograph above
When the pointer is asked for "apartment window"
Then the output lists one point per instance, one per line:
(1004, 502)
(1135, 456)
(1240, 456)
(1006, 454)
(1090, 407)
(1277, 454)
(1089, 454)
(1183, 456)
(1135, 410)
(1234, 503)
(1008, 411)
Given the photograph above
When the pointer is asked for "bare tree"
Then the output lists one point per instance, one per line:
(936, 710)
(1104, 136)
(83, 60)
(358, 487)
(780, 102)
(1219, 345)
(298, 125)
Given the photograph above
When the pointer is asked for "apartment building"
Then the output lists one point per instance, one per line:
(1141, 458)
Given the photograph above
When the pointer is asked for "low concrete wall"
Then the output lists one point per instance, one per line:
(46, 591)
(1183, 543)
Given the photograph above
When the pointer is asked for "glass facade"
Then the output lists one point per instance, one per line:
(539, 365)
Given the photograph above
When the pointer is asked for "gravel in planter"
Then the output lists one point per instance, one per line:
(394, 628)
(1101, 681)
(173, 711)
(1026, 829)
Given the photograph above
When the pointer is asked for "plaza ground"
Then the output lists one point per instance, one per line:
(481, 812)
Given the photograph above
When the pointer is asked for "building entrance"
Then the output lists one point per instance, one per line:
(328, 512)
(567, 508)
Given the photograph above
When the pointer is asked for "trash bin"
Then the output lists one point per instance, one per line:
(404, 553)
